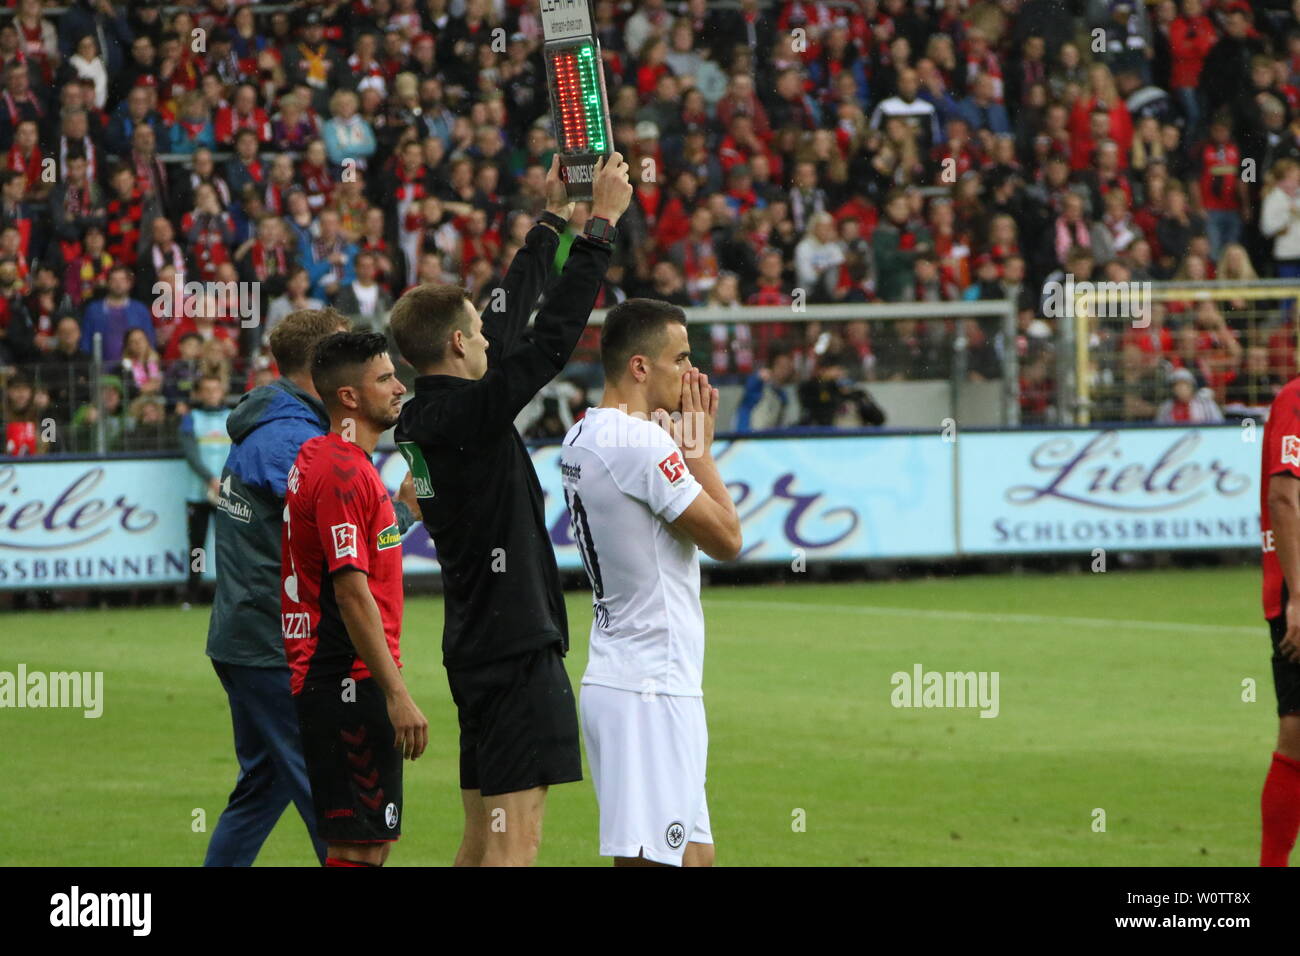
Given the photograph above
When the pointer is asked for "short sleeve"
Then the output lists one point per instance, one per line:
(343, 522)
(654, 471)
(671, 486)
(1282, 443)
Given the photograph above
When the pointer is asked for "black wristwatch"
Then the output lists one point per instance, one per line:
(558, 223)
(600, 229)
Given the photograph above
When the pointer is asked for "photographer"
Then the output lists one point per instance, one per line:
(830, 393)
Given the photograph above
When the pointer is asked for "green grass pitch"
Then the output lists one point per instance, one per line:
(1119, 691)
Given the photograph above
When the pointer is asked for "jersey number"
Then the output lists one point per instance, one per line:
(586, 547)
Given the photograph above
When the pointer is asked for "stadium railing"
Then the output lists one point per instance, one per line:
(965, 375)
(1118, 355)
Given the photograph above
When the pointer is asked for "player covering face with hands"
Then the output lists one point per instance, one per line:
(645, 497)
(342, 607)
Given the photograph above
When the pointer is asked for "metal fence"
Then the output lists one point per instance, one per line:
(1232, 344)
(924, 363)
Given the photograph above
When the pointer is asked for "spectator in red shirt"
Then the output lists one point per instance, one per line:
(479, 242)
(1103, 96)
(1155, 339)
(209, 231)
(25, 157)
(741, 100)
(205, 325)
(1191, 37)
(1212, 349)
(314, 175)
(740, 143)
(653, 65)
(123, 215)
(86, 277)
(1224, 194)
(675, 219)
(242, 113)
(697, 256)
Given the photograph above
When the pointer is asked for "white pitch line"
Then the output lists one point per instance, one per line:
(993, 616)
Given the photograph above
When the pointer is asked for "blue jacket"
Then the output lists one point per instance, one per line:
(267, 428)
(113, 325)
(318, 269)
(182, 143)
(992, 117)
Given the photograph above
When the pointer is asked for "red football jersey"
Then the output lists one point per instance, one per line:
(1220, 173)
(337, 515)
(1281, 456)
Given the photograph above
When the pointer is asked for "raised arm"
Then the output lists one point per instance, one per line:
(483, 407)
(509, 306)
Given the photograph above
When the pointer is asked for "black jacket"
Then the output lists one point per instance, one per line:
(479, 495)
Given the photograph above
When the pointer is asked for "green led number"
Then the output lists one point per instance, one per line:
(591, 98)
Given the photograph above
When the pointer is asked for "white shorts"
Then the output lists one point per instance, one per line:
(647, 755)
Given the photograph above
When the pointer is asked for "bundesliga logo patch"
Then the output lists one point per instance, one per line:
(345, 540)
(673, 468)
(1291, 450)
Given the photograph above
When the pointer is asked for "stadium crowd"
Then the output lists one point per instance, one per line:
(339, 153)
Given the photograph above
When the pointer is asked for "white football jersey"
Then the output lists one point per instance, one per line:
(624, 481)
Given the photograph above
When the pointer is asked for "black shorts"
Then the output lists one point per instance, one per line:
(1286, 674)
(354, 770)
(518, 723)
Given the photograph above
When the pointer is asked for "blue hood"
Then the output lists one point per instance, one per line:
(268, 426)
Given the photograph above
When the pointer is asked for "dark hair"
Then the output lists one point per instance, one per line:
(339, 357)
(634, 327)
(779, 349)
(423, 320)
(294, 338)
